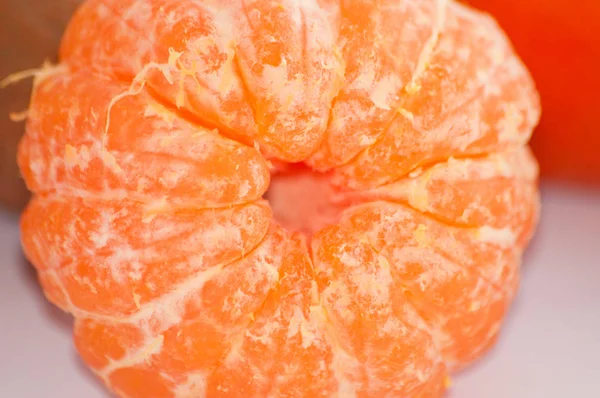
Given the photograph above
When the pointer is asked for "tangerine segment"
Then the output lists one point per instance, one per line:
(461, 287)
(89, 133)
(381, 45)
(111, 259)
(286, 57)
(497, 190)
(475, 97)
(389, 349)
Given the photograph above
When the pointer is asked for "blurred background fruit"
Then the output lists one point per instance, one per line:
(559, 40)
(30, 32)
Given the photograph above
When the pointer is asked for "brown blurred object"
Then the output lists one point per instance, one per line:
(30, 32)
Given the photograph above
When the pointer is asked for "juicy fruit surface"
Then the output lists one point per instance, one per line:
(150, 151)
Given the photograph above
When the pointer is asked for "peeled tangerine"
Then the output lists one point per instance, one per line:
(305, 198)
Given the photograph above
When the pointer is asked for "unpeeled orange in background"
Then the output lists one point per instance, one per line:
(559, 41)
(295, 199)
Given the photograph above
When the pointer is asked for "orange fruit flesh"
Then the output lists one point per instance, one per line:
(315, 200)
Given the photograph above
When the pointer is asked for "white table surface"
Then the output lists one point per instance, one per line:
(549, 348)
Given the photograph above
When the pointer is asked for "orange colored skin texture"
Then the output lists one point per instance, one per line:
(168, 152)
(559, 41)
